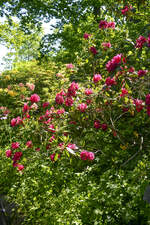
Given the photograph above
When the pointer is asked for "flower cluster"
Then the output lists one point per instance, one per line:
(103, 24)
(113, 63)
(16, 156)
(126, 9)
(84, 155)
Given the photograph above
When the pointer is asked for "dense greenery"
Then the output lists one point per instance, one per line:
(74, 143)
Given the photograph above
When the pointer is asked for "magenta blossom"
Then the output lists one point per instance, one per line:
(97, 124)
(110, 81)
(140, 42)
(106, 45)
(97, 78)
(141, 73)
(59, 99)
(69, 101)
(17, 156)
(34, 98)
(20, 167)
(104, 126)
(8, 153)
(29, 144)
(124, 92)
(84, 155)
(113, 63)
(88, 92)
(15, 145)
(147, 101)
(86, 36)
(82, 107)
(69, 66)
(93, 50)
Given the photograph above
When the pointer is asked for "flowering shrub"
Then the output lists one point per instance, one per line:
(48, 122)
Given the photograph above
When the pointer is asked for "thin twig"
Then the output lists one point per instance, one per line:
(132, 157)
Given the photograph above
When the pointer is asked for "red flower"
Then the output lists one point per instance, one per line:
(69, 101)
(34, 98)
(17, 156)
(86, 36)
(97, 78)
(97, 124)
(93, 50)
(15, 145)
(104, 126)
(20, 167)
(103, 24)
(147, 101)
(59, 99)
(142, 73)
(110, 81)
(29, 144)
(82, 107)
(140, 42)
(8, 153)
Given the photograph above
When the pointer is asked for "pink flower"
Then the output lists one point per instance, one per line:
(89, 101)
(37, 149)
(141, 73)
(72, 146)
(52, 128)
(140, 42)
(82, 107)
(111, 25)
(59, 99)
(93, 50)
(21, 85)
(124, 92)
(15, 145)
(148, 40)
(88, 92)
(52, 156)
(139, 104)
(91, 156)
(45, 104)
(106, 45)
(131, 70)
(148, 110)
(126, 9)
(103, 24)
(13, 122)
(30, 86)
(69, 101)
(110, 81)
(52, 139)
(17, 156)
(97, 78)
(97, 124)
(86, 36)
(34, 98)
(84, 155)
(104, 126)
(20, 167)
(29, 144)
(69, 66)
(147, 101)
(113, 63)
(8, 153)
(60, 111)
(26, 108)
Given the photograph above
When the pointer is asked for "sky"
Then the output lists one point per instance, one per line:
(3, 50)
